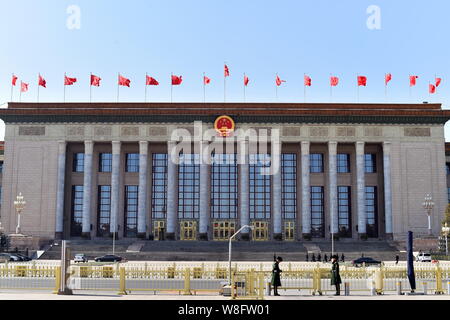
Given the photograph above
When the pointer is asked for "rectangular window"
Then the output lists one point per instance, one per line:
(289, 185)
(131, 210)
(344, 211)
(448, 195)
(224, 186)
(188, 186)
(447, 165)
(260, 185)
(317, 212)
(372, 212)
(132, 162)
(343, 163)
(104, 211)
(77, 211)
(159, 185)
(78, 162)
(105, 162)
(370, 162)
(1, 166)
(316, 162)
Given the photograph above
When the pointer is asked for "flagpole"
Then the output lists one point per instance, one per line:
(12, 87)
(20, 92)
(145, 91)
(385, 88)
(90, 88)
(224, 84)
(171, 87)
(204, 88)
(331, 90)
(64, 98)
(118, 75)
(304, 88)
(276, 88)
(244, 86)
(38, 87)
(357, 88)
(409, 78)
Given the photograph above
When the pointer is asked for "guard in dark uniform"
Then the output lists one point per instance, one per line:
(276, 280)
(335, 276)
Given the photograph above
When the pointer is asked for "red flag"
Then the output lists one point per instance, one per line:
(151, 81)
(176, 80)
(95, 81)
(387, 78)
(334, 81)
(69, 81)
(206, 80)
(124, 81)
(245, 80)
(362, 81)
(23, 86)
(431, 88)
(307, 81)
(412, 80)
(438, 82)
(278, 81)
(42, 81)
(226, 72)
(14, 79)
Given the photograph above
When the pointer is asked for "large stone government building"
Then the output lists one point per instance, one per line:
(355, 170)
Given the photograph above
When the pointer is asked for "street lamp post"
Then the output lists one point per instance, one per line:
(446, 231)
(428, 205)
(19, 204)
(229, 250)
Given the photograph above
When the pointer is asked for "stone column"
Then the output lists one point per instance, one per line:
(387, 189)
(205, 183)
(306, 191)
(244, 187)
(115, 188)
(332, 176)
(59, 226)
(361, 189)
(142, 198)
(172, 193)
(276, 191)
(87, 189)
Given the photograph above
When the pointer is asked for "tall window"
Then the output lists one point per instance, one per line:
(1, 166)
(316, 162)
(159, 185)
(447, 165)
(448, 195)
(370, 163)
(224, 194)
(131, 208)
(317, 212)
(103, 210)
(260, 195)
(343, 163)
(105, 162)
(78, 162)
(76, 220)
(371, 212)
(132, 162)
(344, 211)
(188, 186)
(289, 185)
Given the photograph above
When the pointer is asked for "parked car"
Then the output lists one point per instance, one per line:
(108, 258)
(9, 257)
(423, 257)
(366, 261)
(80, 257)
(22, 256)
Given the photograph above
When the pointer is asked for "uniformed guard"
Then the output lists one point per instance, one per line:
(276, 280)
(335, 276)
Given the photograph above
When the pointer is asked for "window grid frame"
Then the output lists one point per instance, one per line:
(132, 162)
(347, 191)
(189, 177)
(316, 163)
(105, 162)
(260, 211)
(343, 165)
(317, 193)
(224, 176)
(103, 210)
(158, 198)
(76, 210)
(131, 210)
(289, 211)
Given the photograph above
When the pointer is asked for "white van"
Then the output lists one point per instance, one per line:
(423, 257)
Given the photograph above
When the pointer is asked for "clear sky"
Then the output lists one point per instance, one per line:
(260, 38)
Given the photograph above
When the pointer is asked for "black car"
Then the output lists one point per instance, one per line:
(108, 258)
(22, 256)
(365, 260)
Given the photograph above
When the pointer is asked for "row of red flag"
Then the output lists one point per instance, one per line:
(177, 80)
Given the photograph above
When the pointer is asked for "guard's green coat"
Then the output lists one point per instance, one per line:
(335, 276)
(276, 281)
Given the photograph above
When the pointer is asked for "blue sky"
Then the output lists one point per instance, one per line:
(260, 38)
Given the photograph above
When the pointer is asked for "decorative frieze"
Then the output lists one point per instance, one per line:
(345, 131)
(291, 131)
(157, 131)
(417, 132)
(373, 132)
(129, 131)
(75, 131)
(102, 131)
(31, 131)
(318, 131)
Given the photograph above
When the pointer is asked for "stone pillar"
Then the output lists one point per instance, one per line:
(276, 196)
(361, 189)
(59, 226)
(244, 187)
(387, 189)
(115, 188)
(332, 176)
(87, 189)
(306, 191)
(205, 183)
(142, 198)
(172, 193)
